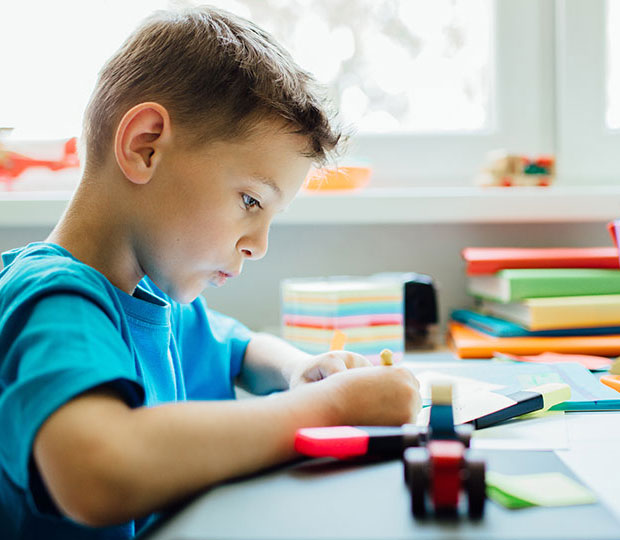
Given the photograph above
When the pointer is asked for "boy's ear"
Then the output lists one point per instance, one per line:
(141, 135)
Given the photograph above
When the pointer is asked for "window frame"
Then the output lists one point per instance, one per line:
(523, 74)
(587, 149)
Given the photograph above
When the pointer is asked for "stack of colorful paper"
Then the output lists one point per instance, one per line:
(530, 301)
(368, 310)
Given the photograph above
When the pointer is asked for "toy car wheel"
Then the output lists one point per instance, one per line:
(463, 433)
(413, 435)
(475, 486)
(417, 474)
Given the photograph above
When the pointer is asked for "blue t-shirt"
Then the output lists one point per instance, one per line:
(65, 329)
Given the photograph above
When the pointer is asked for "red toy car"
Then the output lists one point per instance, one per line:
(442, 469)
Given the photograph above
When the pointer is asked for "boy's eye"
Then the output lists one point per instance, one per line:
(250, 202)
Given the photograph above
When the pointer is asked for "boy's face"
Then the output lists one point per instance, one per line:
(209, 209)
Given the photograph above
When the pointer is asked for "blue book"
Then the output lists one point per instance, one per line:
(494, 326)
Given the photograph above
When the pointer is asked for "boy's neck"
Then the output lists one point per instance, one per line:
(95, 232)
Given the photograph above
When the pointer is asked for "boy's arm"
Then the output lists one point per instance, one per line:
(271, 364)
(268, 364)
(105, 463)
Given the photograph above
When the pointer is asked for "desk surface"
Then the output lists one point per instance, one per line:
(325, 499)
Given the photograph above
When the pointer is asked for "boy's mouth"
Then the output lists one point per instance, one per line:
(221, 278)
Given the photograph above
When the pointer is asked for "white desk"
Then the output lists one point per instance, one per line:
(348, 501)
(594, 453)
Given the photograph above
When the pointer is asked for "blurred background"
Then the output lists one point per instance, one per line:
(429, 88)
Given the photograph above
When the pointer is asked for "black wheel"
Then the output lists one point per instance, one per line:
(417, 474)
(475, 486)
(413, 435)
(463, 433)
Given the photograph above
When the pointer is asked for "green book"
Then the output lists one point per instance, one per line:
(518, 284)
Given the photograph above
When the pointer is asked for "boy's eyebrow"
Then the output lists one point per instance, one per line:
(268, 182)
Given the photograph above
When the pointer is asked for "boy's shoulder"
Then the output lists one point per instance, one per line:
(41, 268)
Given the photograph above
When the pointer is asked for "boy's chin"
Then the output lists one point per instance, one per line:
(185, 295)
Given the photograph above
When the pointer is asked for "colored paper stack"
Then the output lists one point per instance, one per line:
(368, 310)
(535, 300)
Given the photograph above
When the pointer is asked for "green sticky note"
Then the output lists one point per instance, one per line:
(546, 489)
(504, 499)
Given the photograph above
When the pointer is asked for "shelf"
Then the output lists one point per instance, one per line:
(458, 205)
(387, 205)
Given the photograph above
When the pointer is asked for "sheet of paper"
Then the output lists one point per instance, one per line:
(537, 431)
(546, 489)
(597, 462)
(542, 431)
(587, 393)
(460, 385)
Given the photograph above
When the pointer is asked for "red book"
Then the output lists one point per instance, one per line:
(488, 260)
(613, 227)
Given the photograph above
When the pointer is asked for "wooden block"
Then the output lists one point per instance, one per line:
(441, 394)
(386, 357)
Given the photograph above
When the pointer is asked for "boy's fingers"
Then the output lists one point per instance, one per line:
(333, 364)
(354, 360)
(417, 407)
(327, 366)
(407, 373)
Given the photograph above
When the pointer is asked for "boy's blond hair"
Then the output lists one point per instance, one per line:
(217, 74)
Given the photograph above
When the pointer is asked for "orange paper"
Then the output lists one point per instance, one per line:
(467, 343)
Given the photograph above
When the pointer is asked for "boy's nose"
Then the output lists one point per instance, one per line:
(255, 246)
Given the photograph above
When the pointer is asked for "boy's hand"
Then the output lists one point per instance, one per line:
(374, 396)
(316, 368)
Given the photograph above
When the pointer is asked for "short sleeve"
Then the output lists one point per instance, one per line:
(212, 347)
(66, 346)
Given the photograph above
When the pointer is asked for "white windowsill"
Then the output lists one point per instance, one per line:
(388, 205)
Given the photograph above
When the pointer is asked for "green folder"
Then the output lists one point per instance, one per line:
(518, 284)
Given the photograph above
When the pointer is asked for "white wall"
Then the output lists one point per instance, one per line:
(297, 251)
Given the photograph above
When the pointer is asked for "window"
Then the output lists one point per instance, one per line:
(430, 85)
(391, 65)
(51, 54)
(612, 112)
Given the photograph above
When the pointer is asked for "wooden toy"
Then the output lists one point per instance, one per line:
(442, 469)
(386, 357)
(503, 169)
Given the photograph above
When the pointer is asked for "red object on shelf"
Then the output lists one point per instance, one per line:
(13, 164)
(545, 161)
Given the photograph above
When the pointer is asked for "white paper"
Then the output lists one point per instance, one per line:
(546, 431)
(461, 386)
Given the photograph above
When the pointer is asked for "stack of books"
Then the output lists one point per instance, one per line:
(535, 300)
(368, 310)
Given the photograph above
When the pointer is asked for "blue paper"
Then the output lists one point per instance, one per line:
(497, 327)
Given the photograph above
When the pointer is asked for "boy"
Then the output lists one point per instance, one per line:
(116, 393)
